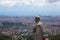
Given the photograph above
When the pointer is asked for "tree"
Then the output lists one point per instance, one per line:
(56, 37)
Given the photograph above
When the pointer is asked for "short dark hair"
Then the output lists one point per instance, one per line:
(37, 19)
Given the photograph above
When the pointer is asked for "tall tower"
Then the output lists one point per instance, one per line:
(37, 30)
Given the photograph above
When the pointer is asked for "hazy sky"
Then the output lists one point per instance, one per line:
(30, 7)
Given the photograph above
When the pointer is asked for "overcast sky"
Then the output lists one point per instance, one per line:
(30, 7)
